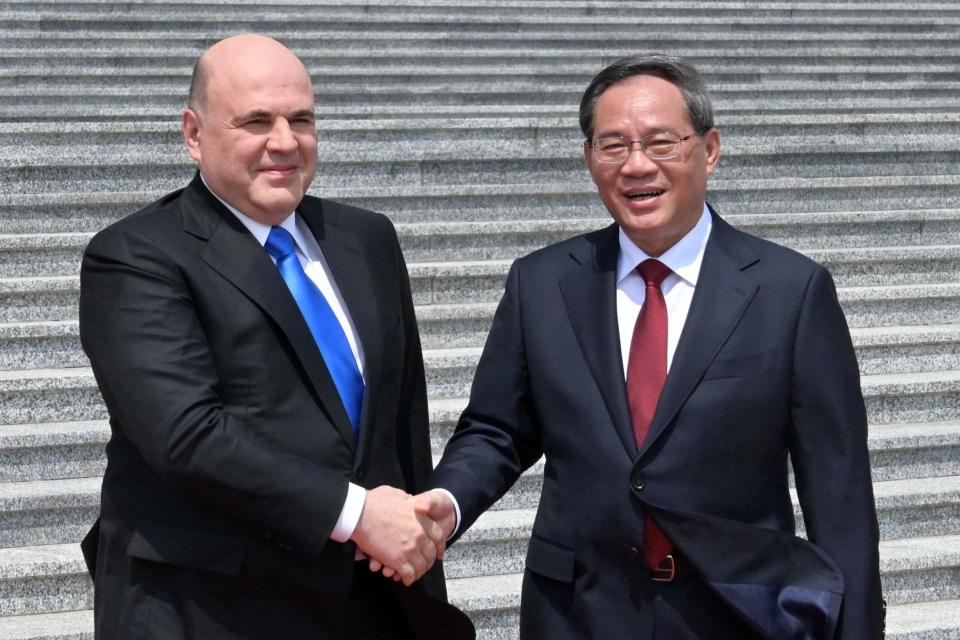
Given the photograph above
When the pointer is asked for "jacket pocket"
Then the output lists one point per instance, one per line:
(550, 560)
(739, 366)
(189, 548)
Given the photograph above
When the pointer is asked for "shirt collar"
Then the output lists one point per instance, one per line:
(260, 230)
(683, 258)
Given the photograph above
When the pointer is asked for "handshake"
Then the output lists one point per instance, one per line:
(404, 535)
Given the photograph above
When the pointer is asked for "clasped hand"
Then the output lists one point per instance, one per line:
(402, 534)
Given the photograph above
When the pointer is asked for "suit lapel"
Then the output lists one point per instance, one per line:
(589, 292)
(236, 255)
(722, 295)
(351, 272)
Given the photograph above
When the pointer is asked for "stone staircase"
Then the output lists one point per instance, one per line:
(841, 138)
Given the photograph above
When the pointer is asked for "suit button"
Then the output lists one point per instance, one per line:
(638, 483)
(633, 553)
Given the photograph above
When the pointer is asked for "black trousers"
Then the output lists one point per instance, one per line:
(372, 610)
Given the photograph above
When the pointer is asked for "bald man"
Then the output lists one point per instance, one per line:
(259, 357)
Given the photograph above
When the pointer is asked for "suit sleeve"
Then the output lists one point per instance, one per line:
(830, 456)
(413, 422)
(496, 438)
(155, 370)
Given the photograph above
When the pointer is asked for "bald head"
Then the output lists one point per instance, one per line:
(250, 126)
(238, 54)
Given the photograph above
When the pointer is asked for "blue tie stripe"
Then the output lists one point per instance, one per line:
(323, 324)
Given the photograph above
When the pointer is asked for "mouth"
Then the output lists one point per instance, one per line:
(638, 195)
(281, 170)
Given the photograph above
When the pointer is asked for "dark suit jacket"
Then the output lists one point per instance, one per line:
(764, 368)
(231, 452)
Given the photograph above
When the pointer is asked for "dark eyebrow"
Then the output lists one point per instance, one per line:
(251, 115)
(302, 113)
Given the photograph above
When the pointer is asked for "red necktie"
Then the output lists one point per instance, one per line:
(646, 374)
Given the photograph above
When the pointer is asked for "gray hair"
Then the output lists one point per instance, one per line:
(670, 68)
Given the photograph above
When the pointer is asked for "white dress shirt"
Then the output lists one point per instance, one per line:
(316, 268)
(684, 260)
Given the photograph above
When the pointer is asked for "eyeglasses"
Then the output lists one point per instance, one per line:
(662, 145)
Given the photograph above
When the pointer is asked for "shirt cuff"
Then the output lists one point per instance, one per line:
(350, 514)
(456, 508)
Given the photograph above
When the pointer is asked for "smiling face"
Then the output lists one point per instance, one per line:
(253, 132)
(655, 202)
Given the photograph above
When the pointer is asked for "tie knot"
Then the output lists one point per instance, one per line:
(279, 243)
(653, 272)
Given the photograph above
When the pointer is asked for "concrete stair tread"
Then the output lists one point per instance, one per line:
(54, 433)
(909, 334)
(113, 154)
(38, 378)
(924, 620)
(885, 381)
(424, 18)
(36, 494)
(944, 489)
(578, 187)
(521, 121)
(898, 436)
(45, 110)
(62, 625)
(40, 283)
(41, 560)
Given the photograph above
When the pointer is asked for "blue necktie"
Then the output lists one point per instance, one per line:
(323, 324)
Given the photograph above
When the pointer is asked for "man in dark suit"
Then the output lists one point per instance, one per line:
(258, 353)
(665, 511)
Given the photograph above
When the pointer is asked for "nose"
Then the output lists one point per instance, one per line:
(637, 162)
(281, 138)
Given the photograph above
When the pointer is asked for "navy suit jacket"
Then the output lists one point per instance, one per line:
(231, 452)
(764, 370)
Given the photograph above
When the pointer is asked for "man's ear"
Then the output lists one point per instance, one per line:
(588, 157)
(711, 140)
(190, 126)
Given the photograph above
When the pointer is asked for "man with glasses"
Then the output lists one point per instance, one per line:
(665, 368)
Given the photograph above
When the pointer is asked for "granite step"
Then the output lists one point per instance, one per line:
(62, 511)
(26, 214)
(82, 68)
(495, 133)
(43, 578)
(512, 10)
(322, 58)
(42, 512)
(54, 344)
(88, 167)
(918, 508)
(167, 95)
(890, 399)
(493, 604)
(880, 350)
(147, 18)
(48, 451)
(481, 263)
(467, 325)
(54, 108)
(39, 299)
(481, 249)
(49, 578)
(918, 621)
(63, 450)
(62, 625)
(575, 198)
